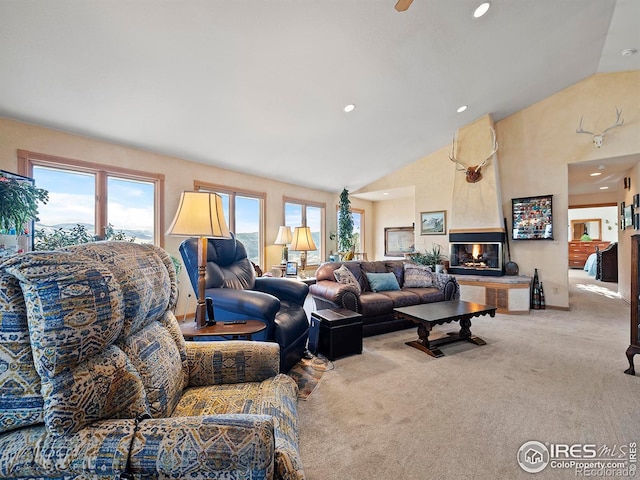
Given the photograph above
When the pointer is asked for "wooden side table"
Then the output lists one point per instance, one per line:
(235, 331)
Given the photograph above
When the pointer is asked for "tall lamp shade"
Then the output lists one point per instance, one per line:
(284, 237)
(302, 242)
(200, 214)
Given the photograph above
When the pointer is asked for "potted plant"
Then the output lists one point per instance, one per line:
(346, 244)
(18, 206)
(432, 258)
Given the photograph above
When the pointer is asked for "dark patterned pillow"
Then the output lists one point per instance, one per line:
(343, 275)
(417, 276)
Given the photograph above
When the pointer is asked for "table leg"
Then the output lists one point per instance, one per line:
(465, 332)
(631, 351)
(424, 329)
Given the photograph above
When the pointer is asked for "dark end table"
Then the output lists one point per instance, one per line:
(438, 313)
(235, 331)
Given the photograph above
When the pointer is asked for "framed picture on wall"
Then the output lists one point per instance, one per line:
(628, 216)
(433, 223)
(398, 241)
(636, 201)
(532, 218)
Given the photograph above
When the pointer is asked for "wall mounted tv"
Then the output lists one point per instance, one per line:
(532, 218)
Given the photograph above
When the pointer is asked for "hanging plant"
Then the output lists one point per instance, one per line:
(19, 204)
(345, 223)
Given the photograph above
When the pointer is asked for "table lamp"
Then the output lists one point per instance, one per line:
(200, 214)
(284, 237)
(302, 242)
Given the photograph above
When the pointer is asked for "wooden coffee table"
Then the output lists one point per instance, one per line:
(233, 331)
(438, 313)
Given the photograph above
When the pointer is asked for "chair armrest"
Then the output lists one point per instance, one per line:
(234, 361)
(285, 289)
(224, 446)
(340, 294)
(447, 285)
(247, 303)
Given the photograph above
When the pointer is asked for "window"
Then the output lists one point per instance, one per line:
(299, 213)
(97, 196)
(243, 212)
(358, 227)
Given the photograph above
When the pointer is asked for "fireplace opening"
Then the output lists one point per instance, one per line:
(476, 254)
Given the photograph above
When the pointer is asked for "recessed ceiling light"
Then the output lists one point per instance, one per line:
(386, 193)
(604, 188)
(595, 174)
(481, 10)
(349, 108)
(462, 108)
(628, 51)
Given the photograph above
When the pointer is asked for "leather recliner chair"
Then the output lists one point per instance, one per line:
(238, 294)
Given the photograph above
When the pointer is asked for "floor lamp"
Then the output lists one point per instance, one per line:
(200, 214)
(302, 242)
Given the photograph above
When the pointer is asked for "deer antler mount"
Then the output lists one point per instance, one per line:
(473, 174)
(597, 139)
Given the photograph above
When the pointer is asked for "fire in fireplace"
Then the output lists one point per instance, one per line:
(476, 253)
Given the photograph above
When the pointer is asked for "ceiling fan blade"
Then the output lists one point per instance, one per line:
(402, 5)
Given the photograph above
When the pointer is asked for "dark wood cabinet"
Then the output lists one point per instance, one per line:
(634, 346)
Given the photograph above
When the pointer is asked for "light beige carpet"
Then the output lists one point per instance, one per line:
(552, 376)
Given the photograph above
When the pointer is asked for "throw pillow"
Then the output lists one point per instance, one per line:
(417, 276)
(343, 275)
(381, 282)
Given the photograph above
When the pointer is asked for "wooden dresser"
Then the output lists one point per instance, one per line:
(580, 251)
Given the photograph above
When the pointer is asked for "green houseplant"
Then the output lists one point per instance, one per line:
(432, 258)
(345, 224)
(18, 204)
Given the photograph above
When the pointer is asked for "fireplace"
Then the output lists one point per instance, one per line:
(477, 253)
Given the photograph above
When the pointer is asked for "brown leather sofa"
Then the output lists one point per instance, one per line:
(376, 308)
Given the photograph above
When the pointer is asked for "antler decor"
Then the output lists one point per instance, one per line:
(473, 174)
(597, 139)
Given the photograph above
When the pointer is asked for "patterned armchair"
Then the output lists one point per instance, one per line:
(97, 382)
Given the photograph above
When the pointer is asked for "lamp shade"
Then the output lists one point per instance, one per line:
(302, 240)
(199, 214)
(284, 236)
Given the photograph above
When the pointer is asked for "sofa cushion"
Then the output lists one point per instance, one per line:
(20, 401)
(75, 314)
(374, 304)
(402, 298)
(382, 282)
(344, 276)
(427, 295)
(417, 276)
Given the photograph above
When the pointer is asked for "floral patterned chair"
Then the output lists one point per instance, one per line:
(97, 382)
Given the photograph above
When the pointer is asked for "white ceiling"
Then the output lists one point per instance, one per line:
(259, 86)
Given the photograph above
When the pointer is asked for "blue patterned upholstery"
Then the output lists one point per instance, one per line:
(89, 345)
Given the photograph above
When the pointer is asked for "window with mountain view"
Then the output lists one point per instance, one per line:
(95, 197)
(299, 213)
(243, 212)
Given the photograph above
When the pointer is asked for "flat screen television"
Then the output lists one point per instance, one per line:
(532, 218)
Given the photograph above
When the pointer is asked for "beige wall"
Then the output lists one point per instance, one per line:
(536, 145)
(179, 175)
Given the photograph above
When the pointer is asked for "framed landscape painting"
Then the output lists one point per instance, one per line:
(398, 241)
(433, 223)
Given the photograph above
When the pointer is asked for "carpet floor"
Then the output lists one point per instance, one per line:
(552, 376)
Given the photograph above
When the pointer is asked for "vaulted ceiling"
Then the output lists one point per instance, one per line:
(260, 86)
